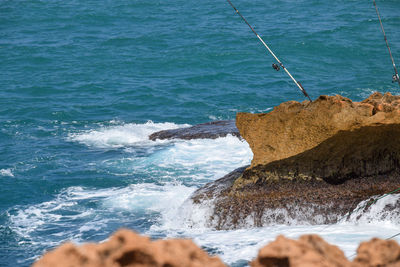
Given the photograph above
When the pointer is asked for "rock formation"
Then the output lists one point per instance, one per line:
(293, 127)
(378, 252)
(309, 250)
(125, 248)
(313, 162)
(313, 251)
(209, 130)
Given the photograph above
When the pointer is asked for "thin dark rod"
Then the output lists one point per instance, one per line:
(272, 53)
(387, 44)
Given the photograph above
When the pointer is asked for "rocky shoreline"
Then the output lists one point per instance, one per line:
(126, 248)
(313, 163)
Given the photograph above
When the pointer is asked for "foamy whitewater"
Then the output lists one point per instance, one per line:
(81, 80)
(156, 204)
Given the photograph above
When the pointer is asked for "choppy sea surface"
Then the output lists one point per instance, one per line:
(83, 84)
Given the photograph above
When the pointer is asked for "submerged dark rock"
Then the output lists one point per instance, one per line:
(209, 130)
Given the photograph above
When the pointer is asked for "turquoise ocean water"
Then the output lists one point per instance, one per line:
(83, 84)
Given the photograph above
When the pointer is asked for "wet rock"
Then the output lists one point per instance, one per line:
(308, 251)
(209, 130)
(313, 163)
(291, 201)
(213, 188)
(126, 248)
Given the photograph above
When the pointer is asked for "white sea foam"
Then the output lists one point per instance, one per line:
(191, 220)
(176, 168)
(6, 172)
(121, 135)
(384, 210)
(214, 157)
(170, 201)
(181, 160)
(242, 244)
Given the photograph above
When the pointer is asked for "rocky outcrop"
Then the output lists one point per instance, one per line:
(126, 248)
(309, 250)
(312, 250)
(378, 252)
(209, 130)
(313, 162)
(293, 128)
(290, 201)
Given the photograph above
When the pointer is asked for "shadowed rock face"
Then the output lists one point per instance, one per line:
(293, 127)
(342, 161)
(365, 152)
(209, 130)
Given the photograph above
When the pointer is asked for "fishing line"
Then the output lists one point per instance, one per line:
(395, 77)
(393, 236)
(365, 206)
(275, 66)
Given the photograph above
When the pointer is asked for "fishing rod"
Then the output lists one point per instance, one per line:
(395, 77)
(275, 66)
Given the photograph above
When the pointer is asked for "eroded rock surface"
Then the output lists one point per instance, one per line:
(313, 163)
(293, 127)
(378, 252)
(313, 251)
(209, 130)
(125, 248)
(308, 251)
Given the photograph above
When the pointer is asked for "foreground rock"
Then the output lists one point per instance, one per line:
(378, 252)
(313, 162)
(209, 130)
(309, 250)
(126, 248)
(312, 250)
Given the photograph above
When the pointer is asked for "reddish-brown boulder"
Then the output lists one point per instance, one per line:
(126, 248)
(308, 251)
(378, 252)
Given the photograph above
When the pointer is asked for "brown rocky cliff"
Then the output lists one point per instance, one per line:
(293, 127)
(313, 162)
